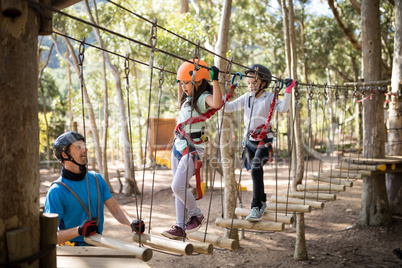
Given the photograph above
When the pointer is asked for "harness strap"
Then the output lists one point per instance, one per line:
(198, 165)
(79, 199)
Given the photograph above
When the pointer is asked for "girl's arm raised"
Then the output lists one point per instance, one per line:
(215, 101)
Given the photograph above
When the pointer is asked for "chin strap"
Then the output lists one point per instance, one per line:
(71, 159)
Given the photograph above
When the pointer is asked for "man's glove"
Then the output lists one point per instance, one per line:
(214, 73)
(88, 227)
(137, 226)
(290, 83)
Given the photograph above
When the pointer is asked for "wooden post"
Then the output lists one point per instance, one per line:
(141, 253)
(258, 225)
(215, 240)
(48, 237)
(174, 246)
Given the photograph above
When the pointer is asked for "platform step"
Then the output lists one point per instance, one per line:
(312, 196)
(290, 200)
(268, 216)
(321, 187)
(330, 180)
(258, 225)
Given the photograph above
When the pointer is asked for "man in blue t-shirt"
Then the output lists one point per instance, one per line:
(78, 196)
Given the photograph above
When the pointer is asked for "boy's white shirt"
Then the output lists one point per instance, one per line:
(262, 106)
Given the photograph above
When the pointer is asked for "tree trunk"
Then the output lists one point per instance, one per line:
(137, 94)
(131, 185)
(19, 170)
(374, 208)
(184, 8)
(226, 144)
(393, 180)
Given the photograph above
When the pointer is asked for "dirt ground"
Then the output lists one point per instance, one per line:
(331, 236)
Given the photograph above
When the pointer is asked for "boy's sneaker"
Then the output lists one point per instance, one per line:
(175, 233)
(263, 208)
(255, 214)
(194, 223)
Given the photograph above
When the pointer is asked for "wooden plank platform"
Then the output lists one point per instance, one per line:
(375, 161)
(89, 257)
(359, 167)
(353, 171)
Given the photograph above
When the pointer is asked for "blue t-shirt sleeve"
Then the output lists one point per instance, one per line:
(103, 188)
(53, 202)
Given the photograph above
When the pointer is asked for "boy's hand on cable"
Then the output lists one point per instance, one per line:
(137, 226)
(214, 73)
(88, 227)
(290, 83)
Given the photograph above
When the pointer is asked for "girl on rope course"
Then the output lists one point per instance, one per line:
(196, 97)
(258, 108)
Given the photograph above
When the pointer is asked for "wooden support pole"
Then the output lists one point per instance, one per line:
(288, 207)
(343, 174)
(48, 237)
(382, 167)
(11, 8)
(331, 180)
(174, 246)
(289, 200)
(141, 253)
(268, 216)
(321, 187)
(314, 196)
(257, 225)
(215, 240)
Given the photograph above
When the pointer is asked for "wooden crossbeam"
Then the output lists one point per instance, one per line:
(344, 174)
(331, 180)
(174, 246)
(141, 253)
(268, 216)
(289, 200)
(381, 167)
(258, 225)
(374, 161)
(313, 196)
(215, 240)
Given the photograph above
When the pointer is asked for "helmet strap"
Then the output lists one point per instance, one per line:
(71, 159)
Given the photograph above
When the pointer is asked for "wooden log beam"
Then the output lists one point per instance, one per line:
(321, 187)
(331, 180)
(288, 207)
(374, 161)
(174, 246)
(258, 225)
(289, 200)
(313, 196)
(61, 4)
(354, 171)
(268, 216)
(215, 240)
(141, 253)
(381, 167)
(344, 174)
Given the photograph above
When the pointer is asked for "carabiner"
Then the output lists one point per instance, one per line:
(234, 76)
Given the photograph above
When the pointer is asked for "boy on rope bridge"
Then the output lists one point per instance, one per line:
(78, 196)
(258, 108)
(198, 101)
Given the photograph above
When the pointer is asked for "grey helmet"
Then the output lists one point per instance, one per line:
(263, 73)
(63, 142)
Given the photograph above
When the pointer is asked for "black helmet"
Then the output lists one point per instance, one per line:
(263, 73)
(64, 141)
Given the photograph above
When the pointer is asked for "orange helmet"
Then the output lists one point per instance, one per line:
(185, 71)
